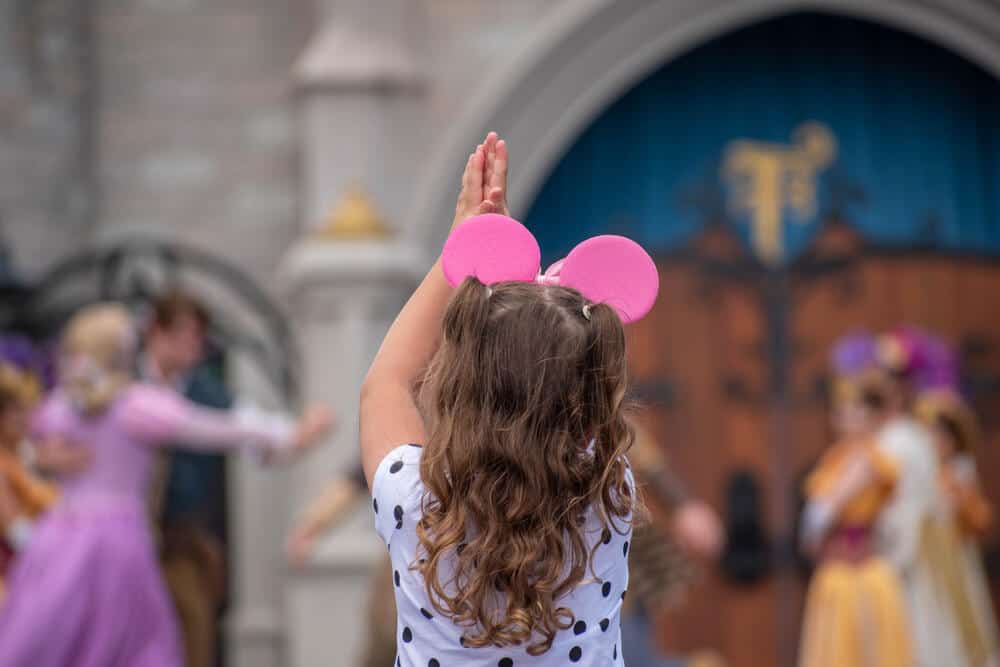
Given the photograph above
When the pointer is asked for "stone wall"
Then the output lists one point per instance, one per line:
(46, 198)
(178, 117)
(194, 122)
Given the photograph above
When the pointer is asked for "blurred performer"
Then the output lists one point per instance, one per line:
(855, 613)
(23, 497)
(660, 561)
(86, 591)
(188, 491)
(968, 516)
(909, 531)
(336, 502)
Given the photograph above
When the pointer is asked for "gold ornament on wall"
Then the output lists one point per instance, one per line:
(768, 180)
(354, 217)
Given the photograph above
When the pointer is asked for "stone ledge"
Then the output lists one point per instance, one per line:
(316, 263)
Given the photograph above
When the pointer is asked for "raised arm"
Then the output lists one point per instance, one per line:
(389, 415)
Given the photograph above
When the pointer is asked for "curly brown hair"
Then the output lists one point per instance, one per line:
(525, 402)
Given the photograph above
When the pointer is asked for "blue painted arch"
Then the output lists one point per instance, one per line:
(917, 130)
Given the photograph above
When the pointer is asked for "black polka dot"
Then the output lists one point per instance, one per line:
(461, 642)
(606, 589)
(460, 549)
(426, 613)
(625, 549)
(407, 635)
(397, 661)
(395, 577)
(396, 467)
(623, 595)
(606, 536)
(433, 663)
(615, 654)
(579, 628)
(575, 654)
(604, 624)
(505, 662)
(413, 444)
(375, 504)
(397, 512)
(399, 524)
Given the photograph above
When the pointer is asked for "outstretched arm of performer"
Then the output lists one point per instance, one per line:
(330, 508)
(389, 415)
(820, 513)
(160, 416)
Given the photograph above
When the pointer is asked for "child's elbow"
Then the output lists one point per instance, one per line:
(370, 387)
(374, 389)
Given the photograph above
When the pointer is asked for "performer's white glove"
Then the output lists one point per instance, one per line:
(278, 429)
(18, 532)
(817, 518)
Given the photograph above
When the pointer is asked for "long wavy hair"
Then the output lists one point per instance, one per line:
(525, 403)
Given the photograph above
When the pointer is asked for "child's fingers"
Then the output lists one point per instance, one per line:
(487, 207)
(490, 145)
(471, 181)
(499, 179)
(466, 179)
(476, 180)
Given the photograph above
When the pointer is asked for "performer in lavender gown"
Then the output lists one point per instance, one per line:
(87, 592)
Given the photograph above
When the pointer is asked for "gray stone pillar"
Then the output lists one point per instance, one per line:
(344, 295)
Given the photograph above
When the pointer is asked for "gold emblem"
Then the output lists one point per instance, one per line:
(354, 217)
(766, 179)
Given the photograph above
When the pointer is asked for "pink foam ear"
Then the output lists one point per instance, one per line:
(616, 271)
(491, 247)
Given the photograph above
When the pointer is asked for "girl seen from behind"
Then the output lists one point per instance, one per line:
(494, 435)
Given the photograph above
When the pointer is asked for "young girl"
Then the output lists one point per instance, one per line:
(86, 592)
(967, 519)
(505, 498)
(855, 614)
(23, 497)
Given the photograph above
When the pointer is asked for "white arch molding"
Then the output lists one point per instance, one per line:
(589, 52)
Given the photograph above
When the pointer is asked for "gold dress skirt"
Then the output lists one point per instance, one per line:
(855, 616)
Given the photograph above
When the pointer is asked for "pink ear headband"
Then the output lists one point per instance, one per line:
(606, 269)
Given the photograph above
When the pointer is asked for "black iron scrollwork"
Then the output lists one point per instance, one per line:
(135, 271)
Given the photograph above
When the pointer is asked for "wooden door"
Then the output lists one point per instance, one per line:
(732, 368)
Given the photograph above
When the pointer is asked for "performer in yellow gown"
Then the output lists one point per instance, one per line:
(855, 613)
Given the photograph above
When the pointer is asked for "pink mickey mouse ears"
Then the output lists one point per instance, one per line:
(606, 269)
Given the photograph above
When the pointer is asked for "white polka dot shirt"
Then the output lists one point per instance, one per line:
(426, 639)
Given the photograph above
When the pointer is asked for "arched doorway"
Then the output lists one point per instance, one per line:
(586, 53)
(797, 179)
